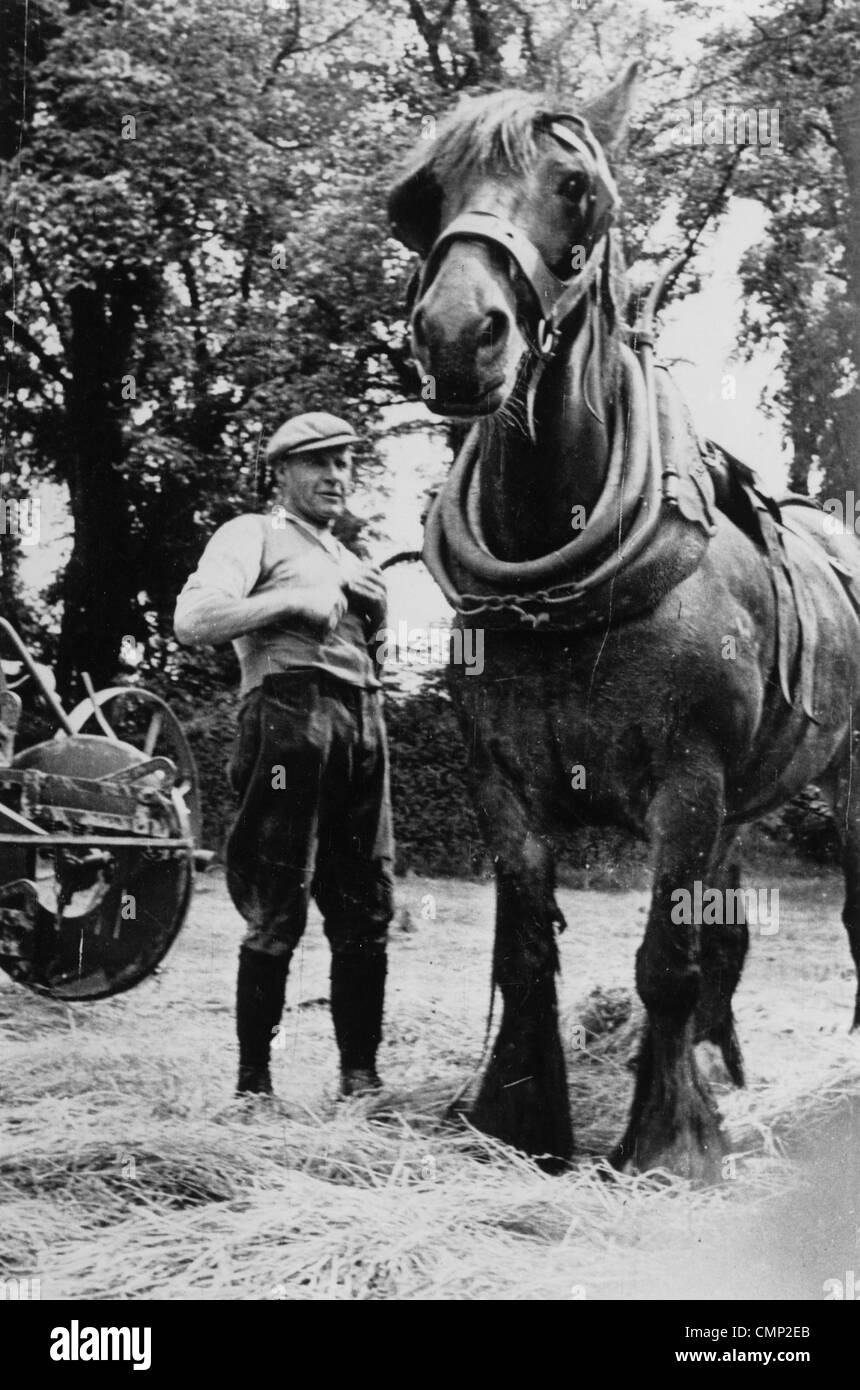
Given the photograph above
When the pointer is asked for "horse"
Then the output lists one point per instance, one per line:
(666, 647)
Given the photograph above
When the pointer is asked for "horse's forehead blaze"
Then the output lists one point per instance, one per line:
(510, 200)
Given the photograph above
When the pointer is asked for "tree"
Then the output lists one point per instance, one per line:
(172, 285)
(803, 58)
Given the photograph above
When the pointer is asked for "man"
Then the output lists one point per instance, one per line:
(310, 764)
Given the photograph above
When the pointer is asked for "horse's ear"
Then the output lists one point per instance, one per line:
(609, 113)
(414, 209)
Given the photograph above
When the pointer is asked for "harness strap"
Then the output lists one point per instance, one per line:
(550, 327)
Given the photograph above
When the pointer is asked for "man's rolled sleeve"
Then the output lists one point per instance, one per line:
(228, 570)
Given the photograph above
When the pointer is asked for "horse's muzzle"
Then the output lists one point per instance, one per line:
(469, 373)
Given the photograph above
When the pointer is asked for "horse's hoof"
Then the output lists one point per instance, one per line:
(520, 1116)
(523, 1100)
(694, 1151)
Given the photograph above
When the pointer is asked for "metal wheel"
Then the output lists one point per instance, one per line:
(85, 920)
(136, 716)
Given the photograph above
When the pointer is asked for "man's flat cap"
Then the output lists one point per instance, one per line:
(306, 433)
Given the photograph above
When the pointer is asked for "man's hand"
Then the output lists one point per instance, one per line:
(368, 593)
(323, 605)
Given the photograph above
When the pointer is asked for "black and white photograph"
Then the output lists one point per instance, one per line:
(430, 663)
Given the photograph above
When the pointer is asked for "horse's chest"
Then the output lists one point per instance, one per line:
(545, 720)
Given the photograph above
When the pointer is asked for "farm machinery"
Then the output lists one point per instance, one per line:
(98, 827)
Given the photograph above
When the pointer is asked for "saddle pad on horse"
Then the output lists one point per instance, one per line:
(776, 525)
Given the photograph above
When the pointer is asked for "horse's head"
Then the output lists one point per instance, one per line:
(508, 207)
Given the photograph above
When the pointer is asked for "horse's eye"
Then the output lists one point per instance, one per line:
(573, 187)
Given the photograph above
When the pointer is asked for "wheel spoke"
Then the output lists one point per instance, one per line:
(152, 733)
(143, 720)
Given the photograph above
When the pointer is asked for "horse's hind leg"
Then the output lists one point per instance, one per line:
(851, 910)
(674, 1122)
(723, 952)
(843, 792)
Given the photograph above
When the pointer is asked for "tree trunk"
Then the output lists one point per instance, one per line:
(10, 596)
(99, 584)
(486, 44)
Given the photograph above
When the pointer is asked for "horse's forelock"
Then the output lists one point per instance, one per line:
(488, 134)
(484, 135)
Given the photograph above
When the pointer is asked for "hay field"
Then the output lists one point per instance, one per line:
(127, 1172)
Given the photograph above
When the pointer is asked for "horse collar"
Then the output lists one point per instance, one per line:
(640, 540)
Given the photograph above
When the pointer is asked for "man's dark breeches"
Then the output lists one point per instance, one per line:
(310, 769)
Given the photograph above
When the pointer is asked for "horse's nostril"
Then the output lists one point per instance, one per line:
(494, 330)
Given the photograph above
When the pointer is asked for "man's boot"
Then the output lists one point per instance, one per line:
(357, 997)
(260, 990)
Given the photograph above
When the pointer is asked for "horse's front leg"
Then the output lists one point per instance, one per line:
(674, 1123)
(523, 1099)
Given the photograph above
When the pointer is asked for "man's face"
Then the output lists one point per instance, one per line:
(315, 485)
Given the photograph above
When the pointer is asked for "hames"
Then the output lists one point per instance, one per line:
(76, 1343)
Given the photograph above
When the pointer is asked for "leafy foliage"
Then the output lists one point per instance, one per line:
(191, 255)
(804, 280)
(806, 824)
(436, 828)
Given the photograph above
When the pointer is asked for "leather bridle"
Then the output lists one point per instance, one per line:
(553, 298)
(639, 478)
